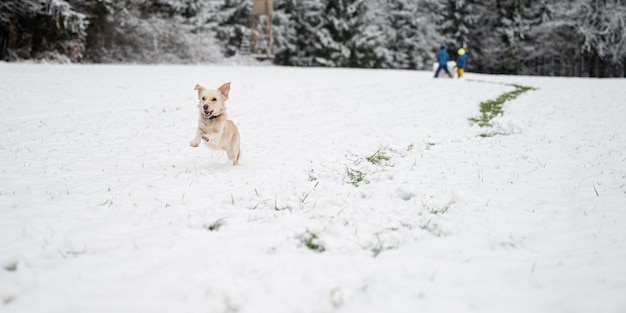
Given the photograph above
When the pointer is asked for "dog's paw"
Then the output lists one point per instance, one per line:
(194, 143)
(205, 138)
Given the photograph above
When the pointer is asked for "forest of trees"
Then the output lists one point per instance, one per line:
(584, 38)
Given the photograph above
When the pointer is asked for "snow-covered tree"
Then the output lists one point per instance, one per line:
(348, 39)
(517, 18)
(233, 20)
(582, 38)
(602, 26)
(409, 34)
(299, 32)
(149, 32)
(535, 37)
(41, 29)
(328, 33)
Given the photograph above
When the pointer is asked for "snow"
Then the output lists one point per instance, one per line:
(104, 207)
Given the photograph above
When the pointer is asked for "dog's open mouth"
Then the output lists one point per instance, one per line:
(207, 114)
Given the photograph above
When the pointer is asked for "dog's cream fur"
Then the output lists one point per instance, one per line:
(214, 128)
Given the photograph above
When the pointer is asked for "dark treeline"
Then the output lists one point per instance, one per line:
(542, 37)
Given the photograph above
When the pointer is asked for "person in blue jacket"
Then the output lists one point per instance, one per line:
(442, 58)
(461, 62)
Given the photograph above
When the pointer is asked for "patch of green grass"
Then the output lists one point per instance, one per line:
(378, 157)
(493, 134)
(356, 172)
(354, 176)
(377, 250)
(11, 267)
(311, 241)
(491, 108)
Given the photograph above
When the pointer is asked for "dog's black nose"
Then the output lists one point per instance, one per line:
(205, 107)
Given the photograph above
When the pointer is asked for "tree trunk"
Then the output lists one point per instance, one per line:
(596, 65)
(12, 38)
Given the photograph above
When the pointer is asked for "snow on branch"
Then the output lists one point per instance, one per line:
(65, 17)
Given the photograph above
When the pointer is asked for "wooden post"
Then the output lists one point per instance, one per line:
(262, 8)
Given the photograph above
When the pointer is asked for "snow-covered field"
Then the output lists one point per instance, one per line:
(104, 206)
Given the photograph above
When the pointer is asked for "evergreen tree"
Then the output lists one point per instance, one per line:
(368, 42)
(584, 38)
(602, 27)
(408, 37)
(353, 40)
(547, 37)
(536, 14)
(233, 20)
(147, 32)
(41, 29)
(327, 33)
(514, 29)
(299, 32)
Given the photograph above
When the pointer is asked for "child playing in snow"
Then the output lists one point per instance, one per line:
(442, 58)
(461, 62)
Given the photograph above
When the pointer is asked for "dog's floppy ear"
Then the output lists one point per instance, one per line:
(224, 90)
(198, 88)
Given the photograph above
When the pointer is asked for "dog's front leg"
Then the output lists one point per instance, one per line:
(196, 140)
(214, 135)
(213, 138)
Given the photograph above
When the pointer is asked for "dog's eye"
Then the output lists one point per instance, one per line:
(213, 99)
(203, 98)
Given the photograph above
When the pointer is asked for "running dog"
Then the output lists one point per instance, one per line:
(214, 128)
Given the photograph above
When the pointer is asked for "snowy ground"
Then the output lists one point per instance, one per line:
(104, 207)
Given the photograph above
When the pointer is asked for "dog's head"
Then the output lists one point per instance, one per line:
(211, 102)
